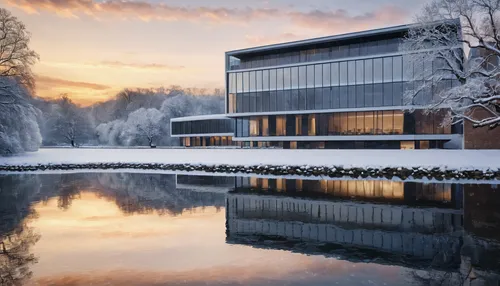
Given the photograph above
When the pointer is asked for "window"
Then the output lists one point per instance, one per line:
(287, 78)
(378, 95)
(295, 77)
(360, 96)
(343, 97)
(359, 72)
(252, 82)
(254, 127)
(318, 75)
(368, 71)
(343, 73)
(272, 79)
(351, 96)
(398, 122)
(258, 76)
(368, 95)
(397, 68)
(280, 126)
(388, 122)
(397, 93)
(326, 75)
(369, 123)
(351, 69)
(280, 80)
(310, 102)
(302, 99)
(407, 145)
(351, 123)
(335, 102)
(312, 125)
(246, 82)
(335, 74)
(232, 83)
(388, 69)
(326, 98)
(360, 123)
(302, 77)
(310, 76)
(298, 125)
(377, 70)
(295, 100)
(265, 126)
(387, 94)
(265, 80)
(272, 101)
(239, 82)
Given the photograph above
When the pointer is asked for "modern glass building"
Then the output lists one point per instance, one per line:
(337, 92)
(204, 131)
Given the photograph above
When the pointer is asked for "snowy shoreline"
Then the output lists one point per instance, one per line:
(404, 164)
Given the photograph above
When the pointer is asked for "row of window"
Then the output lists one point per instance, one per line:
(355, 188)
(330, 52)
(211, 126)
(208, 141)
(379, 144)
(344, 123)
(379, 70)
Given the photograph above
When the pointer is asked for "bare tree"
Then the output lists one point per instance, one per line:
(16, 58)
(441, 75)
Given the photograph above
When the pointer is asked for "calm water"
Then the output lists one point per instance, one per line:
(137, 229)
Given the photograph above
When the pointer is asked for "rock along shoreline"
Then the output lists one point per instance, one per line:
(307, 171)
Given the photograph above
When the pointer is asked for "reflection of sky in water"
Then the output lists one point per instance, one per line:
(94, 242)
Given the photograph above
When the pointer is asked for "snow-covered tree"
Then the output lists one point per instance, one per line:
(144, 123)
(440, 73)
(19, 131)
(69, 123)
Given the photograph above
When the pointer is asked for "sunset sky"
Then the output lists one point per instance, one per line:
(93, 48)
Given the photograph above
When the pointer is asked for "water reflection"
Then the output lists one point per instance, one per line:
(138, 229)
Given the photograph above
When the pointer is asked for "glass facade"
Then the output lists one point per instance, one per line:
(209, 126)
(320, 52)
(392, 122)
(214, 141)
(351, 84)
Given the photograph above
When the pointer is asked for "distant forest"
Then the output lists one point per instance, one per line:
(133, 117)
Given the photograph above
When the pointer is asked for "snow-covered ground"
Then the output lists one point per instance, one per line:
(449, 159)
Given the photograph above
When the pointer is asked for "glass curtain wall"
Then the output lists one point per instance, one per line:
(203, 127)
(348, 84)
(343, 123)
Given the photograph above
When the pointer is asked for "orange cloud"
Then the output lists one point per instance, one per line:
(153, 66)
(139, 9)
(46, 82)
(337, 20)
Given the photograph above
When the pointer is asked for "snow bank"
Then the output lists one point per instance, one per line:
(445, 159)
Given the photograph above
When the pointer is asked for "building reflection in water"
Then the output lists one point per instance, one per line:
(415, 225)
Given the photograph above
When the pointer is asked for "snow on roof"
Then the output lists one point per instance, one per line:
(200, 117)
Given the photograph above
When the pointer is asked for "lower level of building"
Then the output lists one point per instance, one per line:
(210, 141)
(379, 144)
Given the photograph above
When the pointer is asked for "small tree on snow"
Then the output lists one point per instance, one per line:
(145, 123)
(467, 86)
(69, 123)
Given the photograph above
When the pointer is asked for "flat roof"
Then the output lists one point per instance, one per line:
(200, 117)
(346, 36)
